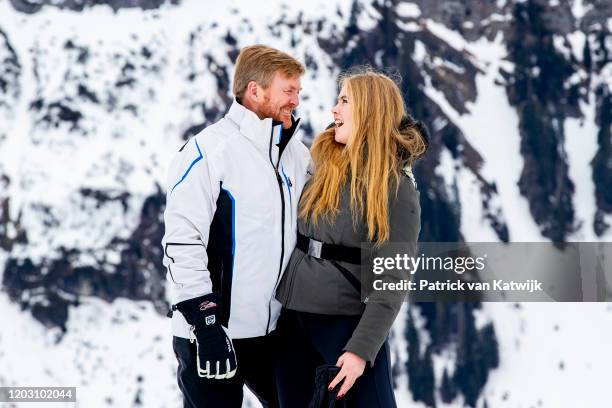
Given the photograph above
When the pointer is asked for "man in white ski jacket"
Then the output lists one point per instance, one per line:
(230, 224)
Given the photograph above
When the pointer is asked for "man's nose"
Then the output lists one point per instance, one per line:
(295, 100)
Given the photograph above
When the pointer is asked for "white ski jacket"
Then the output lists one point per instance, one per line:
(230, 218)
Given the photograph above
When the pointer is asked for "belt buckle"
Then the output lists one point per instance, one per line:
(314, 248)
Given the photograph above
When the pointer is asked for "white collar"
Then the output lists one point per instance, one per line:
(249, 124)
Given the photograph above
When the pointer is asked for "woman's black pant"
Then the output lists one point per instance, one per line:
(307, 340)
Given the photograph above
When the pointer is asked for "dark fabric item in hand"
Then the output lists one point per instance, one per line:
(323, 398)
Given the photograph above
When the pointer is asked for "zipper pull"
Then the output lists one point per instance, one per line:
(170, 311)
(192, 333)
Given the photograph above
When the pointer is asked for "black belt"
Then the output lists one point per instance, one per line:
(331, 252)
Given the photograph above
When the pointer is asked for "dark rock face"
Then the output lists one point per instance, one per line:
(597, 55)
(544, 95)
(450, 325)
(30, 6)
(10, 88)
(471, 18)
(537, 90)
(11, 230)
(10, 69)
(49, 288)
(602, 164)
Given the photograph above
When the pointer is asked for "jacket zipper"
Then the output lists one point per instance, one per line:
(289, 185)
(282, 195)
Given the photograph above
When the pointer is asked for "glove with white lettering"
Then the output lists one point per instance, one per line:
(215, 351)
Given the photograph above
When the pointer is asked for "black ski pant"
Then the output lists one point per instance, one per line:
(307, 340)
(255, 358)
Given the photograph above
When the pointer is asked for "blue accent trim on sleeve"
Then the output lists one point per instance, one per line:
(288, 186)
(197, 159)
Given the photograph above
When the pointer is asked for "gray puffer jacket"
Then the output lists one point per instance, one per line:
(317, 286)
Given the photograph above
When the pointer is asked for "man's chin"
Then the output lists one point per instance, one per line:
(287, 122)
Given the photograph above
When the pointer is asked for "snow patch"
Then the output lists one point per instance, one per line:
(579, 9)
(561, 46)
(577, 40)
(408, 10)
(451, 37)
(555, 346)
(419, 53)
(580, 147)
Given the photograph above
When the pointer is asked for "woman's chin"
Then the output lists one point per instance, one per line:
(339, 137)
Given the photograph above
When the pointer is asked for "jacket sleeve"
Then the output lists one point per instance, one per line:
(382, 307)
(192, 191)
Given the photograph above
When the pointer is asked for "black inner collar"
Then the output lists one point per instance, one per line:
(286, 135)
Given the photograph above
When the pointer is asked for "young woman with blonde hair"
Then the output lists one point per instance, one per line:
(362, 191)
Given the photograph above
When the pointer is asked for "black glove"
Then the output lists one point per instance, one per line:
(215, 351)
(323, 398)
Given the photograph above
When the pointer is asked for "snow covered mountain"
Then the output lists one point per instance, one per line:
(96, 96)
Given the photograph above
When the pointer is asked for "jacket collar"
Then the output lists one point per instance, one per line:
(249, 124)
(259, 131)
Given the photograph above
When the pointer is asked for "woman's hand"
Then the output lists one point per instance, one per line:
(351, 368)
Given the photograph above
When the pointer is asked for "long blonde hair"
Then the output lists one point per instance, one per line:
(372, 159)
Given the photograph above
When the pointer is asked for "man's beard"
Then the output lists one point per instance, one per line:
(277, 115)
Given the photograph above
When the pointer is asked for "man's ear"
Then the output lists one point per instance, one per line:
(252, 90)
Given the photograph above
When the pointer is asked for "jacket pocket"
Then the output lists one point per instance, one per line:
(350, 278)
(349, 288)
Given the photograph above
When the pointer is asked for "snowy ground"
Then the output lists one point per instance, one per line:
(113, 353)
(551, 355)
